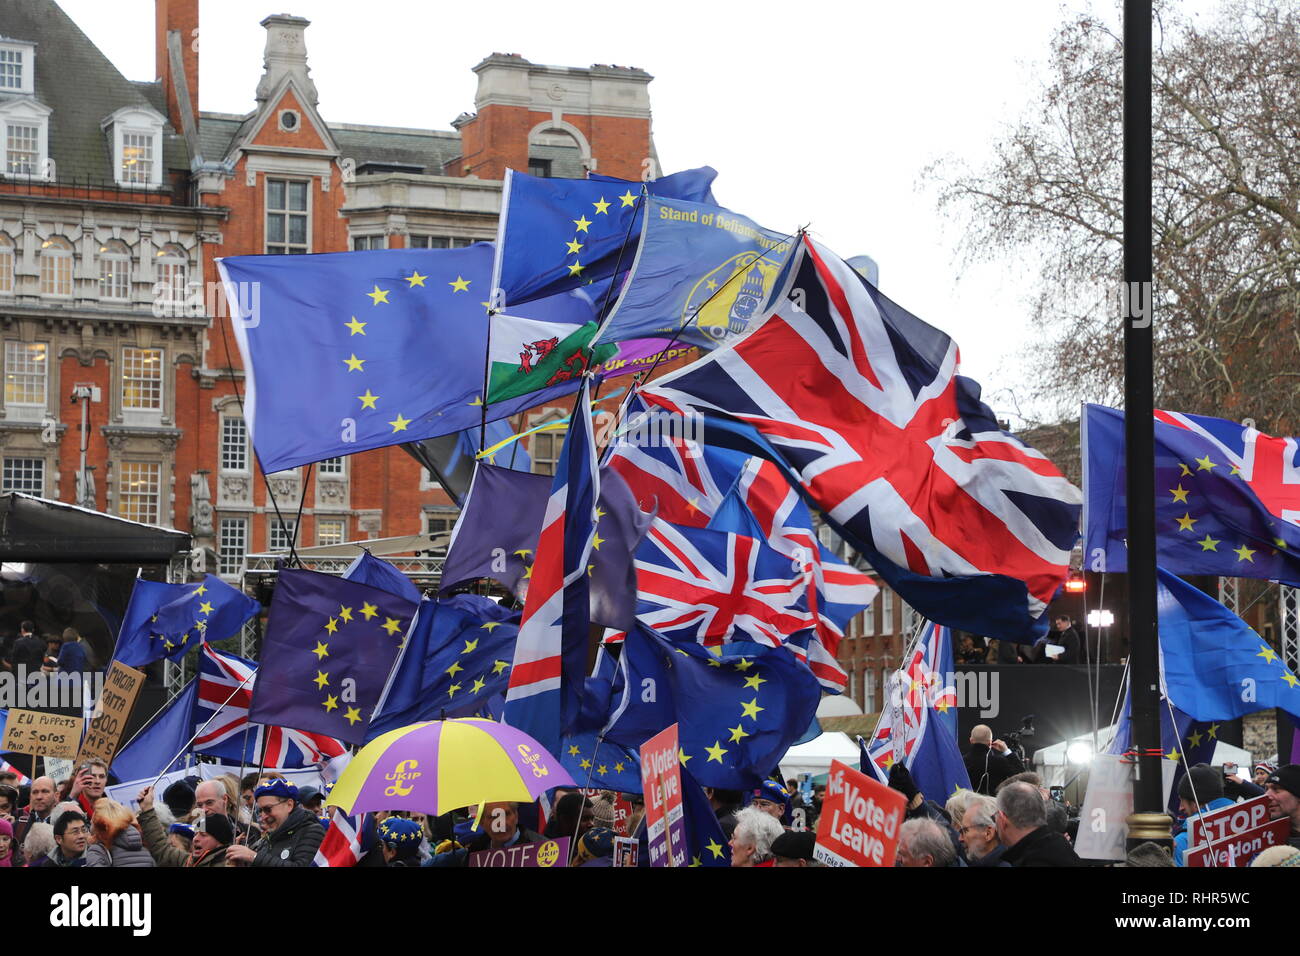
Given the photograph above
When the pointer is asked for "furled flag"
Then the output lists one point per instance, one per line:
(545, 690)
(701, 273)
(163, 738)
(713, 587)
(329, 647)
(737, 714)
(495, 535)
(1184, 741)
(221, 720)
(349, 351)
(863, 403)
(345, 843)
(7, 767)
(621, 526)
(451, 458)
(706, 842)
(1214, 666)
(557, 234)
(378, 573)
(457, 657)
(763, 505)
(670, 468)
(166, 620)
(918, 725)
(1227, 497)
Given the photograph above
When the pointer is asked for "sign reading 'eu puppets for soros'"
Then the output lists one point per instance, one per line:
(859, 822)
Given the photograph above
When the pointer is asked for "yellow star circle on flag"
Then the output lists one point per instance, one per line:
(751, 709)
(737, 732)
(353, 715)
(455, 668)
(205, 608)
(602, 206)
(330, 703)
(332, 626)
(354, 364)
(201, 589)
(368, 611)
(575, 268)
(451, 691)
(1209, 544)
(321, 650)
(574, 247)
(716, 751)
(460, 284)
(322, 679)
(415, 279)
(358, 328)
(399, 424)
(470, 645)
(368, 400)
(744, 664)
(478, 685)
(573, 750)
(1179, 493)
(379, 295)
(1290, 679)
(499, 666)
(1186, 521)
(1244, 554)
(1267, 653)
(754, 680)
(714, 847)
(1204, 464)
(585, 764)
(392, 625)
(345, 613)
(582, 223)
(628, 198)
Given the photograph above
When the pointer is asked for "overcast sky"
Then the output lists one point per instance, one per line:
(816, 112)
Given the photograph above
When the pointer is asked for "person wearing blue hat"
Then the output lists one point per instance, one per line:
(181, 836)
(293, 834)
(773, 799)
(400, 840)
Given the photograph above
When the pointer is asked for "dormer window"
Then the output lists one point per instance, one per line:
(24, 133)
(135, 133)
(17, 67)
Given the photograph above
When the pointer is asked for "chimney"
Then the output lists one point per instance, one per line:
(286, 55)
(182, 18)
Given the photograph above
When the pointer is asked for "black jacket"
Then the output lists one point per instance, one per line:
(987, 768)
(1042, 847)
(293, 843)
(484, 840)
(991, 859)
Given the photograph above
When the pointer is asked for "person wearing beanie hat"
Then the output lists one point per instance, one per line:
(1200, 791)
(7, 854)
(602, 810)
(213, 834)
(179, 798)
(400, 840)
(1262, 770)
(1278, 856)
(209, 835)
(595, 848)
(900, 779)
(181, 836)
(772, 798)
(1283, 789)
(794, 849)
(293, 833)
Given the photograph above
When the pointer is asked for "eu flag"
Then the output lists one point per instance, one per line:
(601, 764)
(496, 534)
(456, 659)
(1227, 497)
(559, 234)
(1215, 666)
(737, 714)
(350, 351)
(166, 620)
(329, 647)
(692, 254)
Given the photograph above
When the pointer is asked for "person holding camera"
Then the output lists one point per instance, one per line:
(989, 761)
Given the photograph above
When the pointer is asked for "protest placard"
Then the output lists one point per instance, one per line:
(661, 776)
(547, 854)
(50, 735)
(860, 820)
(104, 735)
(1235, 835)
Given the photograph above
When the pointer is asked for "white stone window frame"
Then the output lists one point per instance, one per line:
(24, 487)
(140, 121)
(26, 112)
(332, 467)
(128, 467)
(286, 247)
(288, 531)
(113, 253)
(222, 467)
(61, 253)
(135, 415)
(222, 547)
(171, 266)
(297, 121)
(8, 263)
(340, 522)
(27, 67)
(25, 411)
(546, 418)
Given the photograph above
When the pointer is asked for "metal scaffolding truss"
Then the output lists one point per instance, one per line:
(1289, 625)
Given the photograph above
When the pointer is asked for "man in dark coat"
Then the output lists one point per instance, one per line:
(989, 761)
(294, 835)
(1066, 636)
(1022, 827)
(501, 829)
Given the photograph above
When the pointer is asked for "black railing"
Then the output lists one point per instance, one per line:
(177, 192)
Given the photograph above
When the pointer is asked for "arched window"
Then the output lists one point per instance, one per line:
(6, 264)
(114, 270)
(173, 270)
(56, 266)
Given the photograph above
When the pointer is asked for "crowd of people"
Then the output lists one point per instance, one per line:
(1061, 645)
(30, 653)
(262, 820)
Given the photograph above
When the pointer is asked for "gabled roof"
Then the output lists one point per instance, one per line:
(82, 87)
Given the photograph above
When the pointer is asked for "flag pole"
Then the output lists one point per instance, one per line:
(198, 733)
(1149, 820)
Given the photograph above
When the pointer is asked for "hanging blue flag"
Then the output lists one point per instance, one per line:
(350, 351)
(737, 714)
(456, 659)
(1215, 666)
(558, 234)
(496, 534)
(378, 573)
(163, 738)
(329, 647)
(701, 273)
(1227, 497)
(601, 764)
(706, 843)
(166, 620)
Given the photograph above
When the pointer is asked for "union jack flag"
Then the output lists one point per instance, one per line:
(862, 401)
(918, 720)
(686, 480)
(544, 694)
(225, 692)
(712, 587)
(345, 843)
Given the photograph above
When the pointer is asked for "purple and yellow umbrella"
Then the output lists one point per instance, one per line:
(442, 765)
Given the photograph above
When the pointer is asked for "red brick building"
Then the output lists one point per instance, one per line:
(116, 198)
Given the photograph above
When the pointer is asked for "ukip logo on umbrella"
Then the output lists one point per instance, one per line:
(403, 772)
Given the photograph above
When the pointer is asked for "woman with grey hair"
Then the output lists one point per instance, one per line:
(751, 842)
(39, 841)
